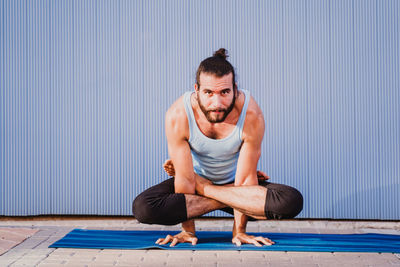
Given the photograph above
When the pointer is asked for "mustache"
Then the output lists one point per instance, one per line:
(218, 110)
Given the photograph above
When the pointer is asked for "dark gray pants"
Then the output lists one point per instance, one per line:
(161, 205)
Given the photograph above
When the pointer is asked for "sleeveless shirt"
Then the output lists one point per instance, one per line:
(215, 159)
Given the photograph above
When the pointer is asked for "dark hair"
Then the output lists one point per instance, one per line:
(217, 65)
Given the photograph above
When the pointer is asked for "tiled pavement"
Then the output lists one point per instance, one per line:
(10, 237)
(34, 251)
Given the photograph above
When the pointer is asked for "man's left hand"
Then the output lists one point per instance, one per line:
(258, 241)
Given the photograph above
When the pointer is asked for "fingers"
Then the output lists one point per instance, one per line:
(174, 242)
(237, 242)
(162, 241)
(258, 241)
(194, 240)
(176, 239)
(254, 242)
(264, 240)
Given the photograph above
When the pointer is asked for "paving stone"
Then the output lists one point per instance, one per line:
(267, 229)
(157, 253)
(61, 232)
(116, 252)
(75, 264)
(46, 243)
(106, 259)
(48, 264)
(204, 257)
(128, 262)
(228, 255)
(280, 263)
(253, 227)
(31, 243)
(133, 228)
(205, 264)
(85, 252)
(29, 261)
(380, 231)
(174, 262)
(290, 230)
(252, 255)
(208, 228)
(180, 253)
(178, 264)
(46, 232)
(79, 261)
(54, 262)
(230, 264)
(102, 264)
(309, 230)
(306, 264)
(6, 261)
(270, 255)
(328, 231)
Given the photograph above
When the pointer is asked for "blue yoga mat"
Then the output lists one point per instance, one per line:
(107, 239)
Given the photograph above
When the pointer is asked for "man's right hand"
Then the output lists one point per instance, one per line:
(182, 237)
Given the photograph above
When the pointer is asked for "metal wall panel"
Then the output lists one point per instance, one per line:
(85, 86)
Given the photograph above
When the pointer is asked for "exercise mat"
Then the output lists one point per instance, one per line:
(208, 240)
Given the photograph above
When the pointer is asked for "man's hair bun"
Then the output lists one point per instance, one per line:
(216, 65)
(221, 53)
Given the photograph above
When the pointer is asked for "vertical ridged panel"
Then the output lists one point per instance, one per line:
(344, 203)
(319, 108)
(84, 86)
(367, 196)
(25, 108)
(388, 87)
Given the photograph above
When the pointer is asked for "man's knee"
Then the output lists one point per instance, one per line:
(283, 202)
(165, 209)
(142, 211)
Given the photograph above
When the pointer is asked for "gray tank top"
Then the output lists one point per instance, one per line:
(215, 159)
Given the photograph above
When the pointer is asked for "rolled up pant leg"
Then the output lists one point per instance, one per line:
(160, 205)
(282, 202)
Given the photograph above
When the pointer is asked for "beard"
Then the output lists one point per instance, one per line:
(218, 117)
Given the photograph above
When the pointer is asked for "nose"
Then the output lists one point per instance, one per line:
(217, 102)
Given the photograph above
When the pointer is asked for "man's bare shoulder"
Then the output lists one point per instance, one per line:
(254, 123)
(254, 112)
(176, 119)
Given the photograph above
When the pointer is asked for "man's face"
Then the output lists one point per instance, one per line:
(216, 96)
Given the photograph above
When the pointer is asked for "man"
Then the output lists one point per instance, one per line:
(214, 140)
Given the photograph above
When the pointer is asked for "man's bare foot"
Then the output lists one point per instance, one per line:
(262, 176)
(169, 167)
(170, 170)
(200, 184)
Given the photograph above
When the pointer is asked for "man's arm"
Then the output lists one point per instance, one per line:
(246, 172)
(177, 132)
(179, 151)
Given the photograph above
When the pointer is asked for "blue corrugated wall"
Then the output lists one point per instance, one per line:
(84, 86)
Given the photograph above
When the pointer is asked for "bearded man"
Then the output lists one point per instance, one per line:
(214, 139)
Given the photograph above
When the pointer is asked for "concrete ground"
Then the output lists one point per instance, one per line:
(34, 250)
